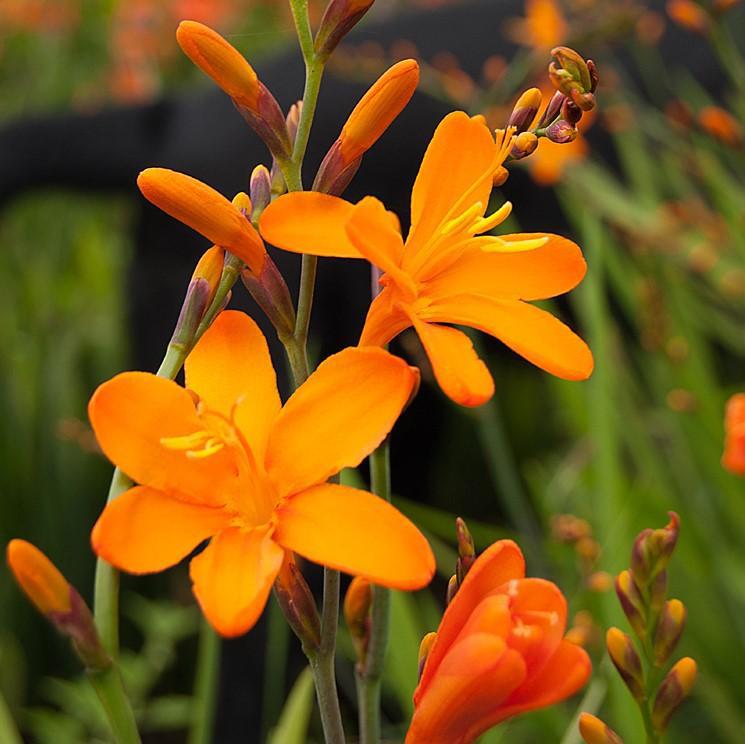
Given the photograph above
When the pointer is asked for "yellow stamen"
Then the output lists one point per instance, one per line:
(494, 244)
(211, 446)
(463, 220)
(489, 223)
(187, 442)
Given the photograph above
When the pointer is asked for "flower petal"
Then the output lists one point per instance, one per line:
(498, 564)
(475, 678)
(375, 233)
(456, 165)
(233, 576)
(566, 672)
(231, 362)
(538, 274)
(533, 333)
(460, 373)
(132, 412)
(356, 532)
(309, 222)
(144, 530)
(338, 416)
(384, 321)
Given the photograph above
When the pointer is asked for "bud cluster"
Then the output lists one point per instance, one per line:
(657, 622)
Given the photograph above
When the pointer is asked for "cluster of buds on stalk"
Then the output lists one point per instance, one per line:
(466, 558)
(58, 601)
(657, 623)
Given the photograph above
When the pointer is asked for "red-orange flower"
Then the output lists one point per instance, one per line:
(223, 459)
(733, 458)
(499, 651)
(448, 270)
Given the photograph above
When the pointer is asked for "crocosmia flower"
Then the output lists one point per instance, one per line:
(223, 460)
(499, 651)
(733, 458)
(448, 270)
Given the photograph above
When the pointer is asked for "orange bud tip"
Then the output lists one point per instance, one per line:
(424, 648)
(525, 110)
(243, 201)
(220, 60)
(673, 690)
(626, 660)
(209, 266)
(39, 578)
(595, 731)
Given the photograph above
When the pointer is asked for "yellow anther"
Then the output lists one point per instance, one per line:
(499, 245)
(211, 446)
(489, 223)
(188, 442)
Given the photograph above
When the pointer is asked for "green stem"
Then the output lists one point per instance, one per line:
(8, 730)
(370, 675)
(205, 686)
(110, 690)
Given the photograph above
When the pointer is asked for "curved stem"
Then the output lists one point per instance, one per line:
(108, 686)
(205, 686)
(370, 675)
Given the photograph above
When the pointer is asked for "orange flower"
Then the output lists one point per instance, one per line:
(39, 578)
(499, 652)
(223, 459)
(205, 210)
(689, 15)
(448, 271)
(721, 125)
(733, 458)
(543, 27)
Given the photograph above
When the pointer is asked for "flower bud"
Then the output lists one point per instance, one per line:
(652, 551)
(374, 113)
(669, 629)
(561, 132)
(525, 110)
(570, 112)
(297, 603)
(452, 589)
(292, 120)
(553, 109)
(57, 600)
(272, 295)
(424, 648)
(205, 210)
(570, 74)
(524, 144)
(338, 20)
(626, 660)
(261, 191)
(632, 603)
(466, 550)
(221, 61)
(594, 731)
(357, 603)
(673, 690)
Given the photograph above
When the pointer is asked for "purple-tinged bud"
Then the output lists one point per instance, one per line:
(524, 144)
(632, 603)
(298, 605)
(594, 731)
(552, 110)
(658, 592)
(561, 132)
(652, 550)
(525, 110)
(571, 112)
(466, 550)
(272, 295)
(673, 690)
(452, 589)
(570, 74)
(626, 660)
(292, 121)
(357, 604)
(594, 77)
(338, 20)
(669, 629)
(424, 648)
(260, 190)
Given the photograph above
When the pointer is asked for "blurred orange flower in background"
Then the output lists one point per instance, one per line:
(223, 459)
(499, 651)
(542, 28)
(733, 458)
(448, 271)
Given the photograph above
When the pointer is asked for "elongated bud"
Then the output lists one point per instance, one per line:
(57, 600)
(652, 551)
(221, 61)
(570, 112)
(525, 110)
(674, 689)
(272, 295)
(525, 144)
(357, 603)
(466, 550)
(292, 120)
(561, 132)
(205, 210)
(632, 602)
(669, 629)
(595, 731)
(339, 18)
(374, 113)
(626, 660)
(424, 648)
(552, 110)
(570, 74)
(261, 191)
(452, 589)
(297, 603)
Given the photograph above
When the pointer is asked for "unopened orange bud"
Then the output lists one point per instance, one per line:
(377, 109)
(297, 603)
(689, 15)
(452, 589)
(721, 125)
(626, 660)
(674, 689)
(524, 144)
(209, 267)
(39, 578)
(632, 602)
(466, 550)
(220, 60)
(652, 551)
(357, 603)
(242, 201)
(669, 629)
(205, 210)
(424, 648)
(595, 731)
(338, 20)
(525, 110)
(733, 458)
